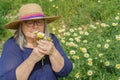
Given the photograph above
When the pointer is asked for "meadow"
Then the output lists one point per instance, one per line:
(93, 49)
(89, 31)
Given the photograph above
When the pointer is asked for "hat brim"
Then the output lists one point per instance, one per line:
(14, 24)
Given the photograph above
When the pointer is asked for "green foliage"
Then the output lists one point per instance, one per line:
(94, 50)
(89, 32)
(4, 10)
(73, 12)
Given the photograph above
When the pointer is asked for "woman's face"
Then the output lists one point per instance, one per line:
(29, 27)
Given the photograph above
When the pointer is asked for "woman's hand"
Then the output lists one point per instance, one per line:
(46, 47)
(36, 55)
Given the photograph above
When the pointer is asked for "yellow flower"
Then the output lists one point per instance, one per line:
(117, 18)
(99, 1)
(64, 26)
(71, 30)
(85, 41)
(49, 39)
(90, 63)
(117, 66)
(81, 32)
(101, 54)
(53, 29)
(71, 44)
(40, 35)
(79, 28)
(53, 6)
(84, 50)
(72, 52)
(75, 34)
(107, 40)
(75, 57)
(51, 0)
(71, 39)
(67, 33)
(114, 24)
(97, 23)
(107, 63)
(62, 40)
(77, 75)
(103, 25)
(86, 55)
(92, 26)
(106, 46)
(75, 45)
(90, 59)
(56, 7)
(90, 72)
(59, 36)
(98, 45)
(61, 30)
(77, 39)
(117, 37)
(86, 33)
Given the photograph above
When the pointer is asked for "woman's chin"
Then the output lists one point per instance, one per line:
(34, 37)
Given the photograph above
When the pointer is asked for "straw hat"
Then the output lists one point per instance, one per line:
(30, 12)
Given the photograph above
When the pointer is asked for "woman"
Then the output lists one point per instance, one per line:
(24, 57)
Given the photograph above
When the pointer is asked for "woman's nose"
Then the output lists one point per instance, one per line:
(35, 25)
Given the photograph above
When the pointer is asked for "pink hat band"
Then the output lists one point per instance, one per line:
(27, 17)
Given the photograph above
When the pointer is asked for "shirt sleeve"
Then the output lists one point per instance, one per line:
(67, 68)
(9, 61)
